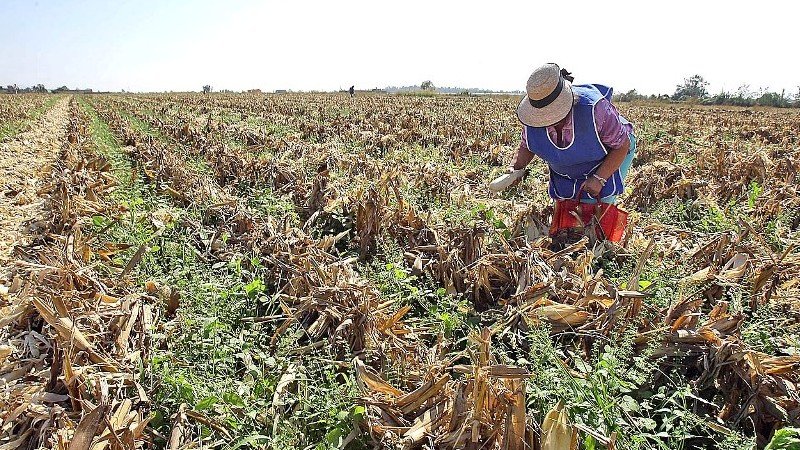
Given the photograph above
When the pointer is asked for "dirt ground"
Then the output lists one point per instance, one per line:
(24, 161)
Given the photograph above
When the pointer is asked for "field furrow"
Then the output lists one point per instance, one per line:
(24, 162)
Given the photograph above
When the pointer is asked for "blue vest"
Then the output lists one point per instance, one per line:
(572, 165)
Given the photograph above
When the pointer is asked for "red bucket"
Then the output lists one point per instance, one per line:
(611, 221)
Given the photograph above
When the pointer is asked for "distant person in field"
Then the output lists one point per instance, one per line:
(578, 132)
(352, 91)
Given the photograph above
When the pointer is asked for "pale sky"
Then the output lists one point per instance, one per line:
(149, 45)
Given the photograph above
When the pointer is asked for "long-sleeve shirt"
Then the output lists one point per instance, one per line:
(613, 133)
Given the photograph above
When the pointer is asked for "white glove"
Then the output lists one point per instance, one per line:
(504, 181)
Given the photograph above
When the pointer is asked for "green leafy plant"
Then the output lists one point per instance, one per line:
(785, 439)
(753, 193)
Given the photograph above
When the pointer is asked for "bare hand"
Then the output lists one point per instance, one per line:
(592, 186)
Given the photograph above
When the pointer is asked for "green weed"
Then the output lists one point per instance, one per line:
(695, 215)
(613, 392)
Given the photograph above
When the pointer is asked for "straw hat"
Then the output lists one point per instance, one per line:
(549, 97)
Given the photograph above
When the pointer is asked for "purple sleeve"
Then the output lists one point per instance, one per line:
(523, 144)
(613, 133)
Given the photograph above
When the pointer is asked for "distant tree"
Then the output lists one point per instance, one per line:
(723, 98)
(744, 91)
(427, 85)
(207, 88)
(773, 99)
(692, 87)
(39, 88)
(630, 96)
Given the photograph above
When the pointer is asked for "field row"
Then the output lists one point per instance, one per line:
(18, 111)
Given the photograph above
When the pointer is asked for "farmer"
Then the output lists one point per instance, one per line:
(575, 129)
(352, 91)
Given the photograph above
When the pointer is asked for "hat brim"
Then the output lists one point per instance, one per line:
(550, 114)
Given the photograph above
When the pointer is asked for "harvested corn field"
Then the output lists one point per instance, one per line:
(318, 271)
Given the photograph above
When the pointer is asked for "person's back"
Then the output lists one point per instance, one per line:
(352, 91)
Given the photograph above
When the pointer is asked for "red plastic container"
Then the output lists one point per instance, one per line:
(610, 222)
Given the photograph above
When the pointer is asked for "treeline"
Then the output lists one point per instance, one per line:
(694, 90)
(14, 89)
(39, 88)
